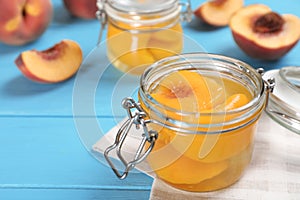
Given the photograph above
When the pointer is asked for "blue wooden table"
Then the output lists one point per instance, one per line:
(43, 150)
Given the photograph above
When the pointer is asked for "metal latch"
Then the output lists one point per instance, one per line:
(137, 118)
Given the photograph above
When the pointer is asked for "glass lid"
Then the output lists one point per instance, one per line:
(142, 6)
(284, 102)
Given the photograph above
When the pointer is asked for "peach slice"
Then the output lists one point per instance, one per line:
(218, 12)
(184, 90)
(264, 34)
(128, 51)
(197, 171)
(55, 64)
(236, 166)
(194, 92)
(189, 91)
(236, 101)
(166, 43)
(173, 167)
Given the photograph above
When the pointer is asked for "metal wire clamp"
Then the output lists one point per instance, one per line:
(187, 13)
(135, 118)
(102, 17)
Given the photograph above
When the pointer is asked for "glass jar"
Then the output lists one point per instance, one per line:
(201, 150)
(142, 32)
(281, 107)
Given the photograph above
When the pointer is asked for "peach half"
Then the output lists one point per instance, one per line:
(218, 12)
(264, 34)
(53, 65)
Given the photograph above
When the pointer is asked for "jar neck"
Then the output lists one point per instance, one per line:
(203, 122)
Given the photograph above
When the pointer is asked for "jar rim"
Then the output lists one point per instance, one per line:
(257, 100)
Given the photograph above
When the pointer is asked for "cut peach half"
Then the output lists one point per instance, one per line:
(218, 12)
(53, 65)
(264, 34)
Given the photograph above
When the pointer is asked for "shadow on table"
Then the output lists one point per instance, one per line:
(61, 15)
(21, 86)
(199, 25)
(9, 49)
(235, 52)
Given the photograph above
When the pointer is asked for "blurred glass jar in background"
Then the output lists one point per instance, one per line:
(142, 32)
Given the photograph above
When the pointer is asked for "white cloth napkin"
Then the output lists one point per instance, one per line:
(274, 172)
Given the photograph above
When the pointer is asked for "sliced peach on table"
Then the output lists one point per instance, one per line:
(218, 12)
(264, 34)
(55, 64)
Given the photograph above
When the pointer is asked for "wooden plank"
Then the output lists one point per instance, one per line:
(74, 194)
(47, 152)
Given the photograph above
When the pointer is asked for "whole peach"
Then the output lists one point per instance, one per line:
(23, 21)
(82, 8)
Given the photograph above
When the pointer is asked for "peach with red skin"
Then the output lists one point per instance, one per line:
(53, 65)
(23, 21)
(256, 51)
(85, 9)
(218, 12)
(264, 34)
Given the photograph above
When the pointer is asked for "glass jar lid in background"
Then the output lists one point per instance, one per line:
(284, 101)
(145, 12)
